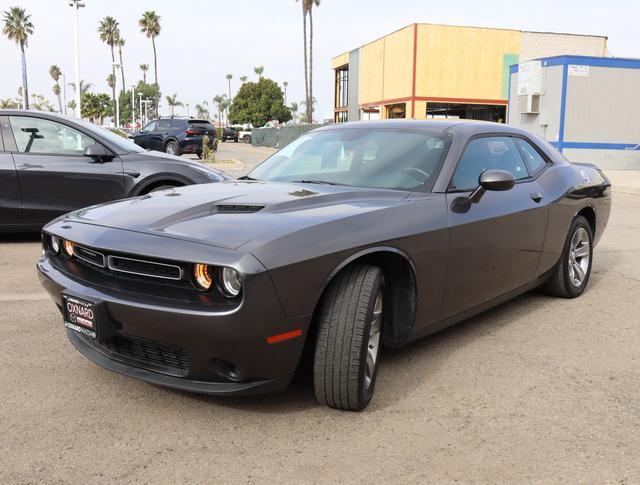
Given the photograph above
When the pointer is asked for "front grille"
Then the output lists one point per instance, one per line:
(89, 255)
(147, 354)
(141, 267)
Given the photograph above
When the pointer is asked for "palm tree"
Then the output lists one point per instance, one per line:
(8, 104)
(285, 84)
(55, 73)
(294, 110)
(72, 105)
(229, 78)
(304, 45)
(219, 101)
(120, 43)
(202, 110)
(310, 5)
(243, 79)
(172, 101)
(84, 87)
(144, 68)
(150, 26)
(259, 70)
(109, 34)
(307, 10)
(18, 27)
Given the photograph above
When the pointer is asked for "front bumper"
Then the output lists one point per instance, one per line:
(211, 342)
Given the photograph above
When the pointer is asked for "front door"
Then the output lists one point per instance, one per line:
(55, 177)
(143, 137)
(495, 244)
(9, 189)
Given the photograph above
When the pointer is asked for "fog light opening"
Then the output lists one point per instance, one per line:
(228, 370)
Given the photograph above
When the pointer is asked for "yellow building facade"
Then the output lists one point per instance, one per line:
(430, 70)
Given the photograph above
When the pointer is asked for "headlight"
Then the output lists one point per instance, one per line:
(55, 244)
(231, 283)
(202, 277)
(67, 248)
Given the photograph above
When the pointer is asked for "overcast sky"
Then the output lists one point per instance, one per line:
(202, 40)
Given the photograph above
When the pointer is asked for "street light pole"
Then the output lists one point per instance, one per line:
(77, 5)
(142, 119)
(117, 67)
(133, 106)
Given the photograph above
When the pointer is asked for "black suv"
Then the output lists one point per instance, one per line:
(230, 134)
(176, 136)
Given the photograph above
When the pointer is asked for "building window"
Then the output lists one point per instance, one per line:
(342, 117)
(398, 110)
(484, 112)
(342, 87)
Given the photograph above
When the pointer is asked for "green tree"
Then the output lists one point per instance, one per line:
(150, 26)
(243, 79)
(72, 105)
(148, 91)
(109, 34)
(18, 27)
(55, 73)
(259, 70)
(257, 103)
(144, 68)
(172, 101)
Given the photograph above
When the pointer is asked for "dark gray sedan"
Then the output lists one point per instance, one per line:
(51, 164)
(351, 238)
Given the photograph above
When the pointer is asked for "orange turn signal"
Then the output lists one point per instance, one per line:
(67, 247)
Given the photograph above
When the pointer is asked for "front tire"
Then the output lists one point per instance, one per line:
(571, 275)
(348, 344)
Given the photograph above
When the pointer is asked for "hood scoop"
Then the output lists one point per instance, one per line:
(236, 209)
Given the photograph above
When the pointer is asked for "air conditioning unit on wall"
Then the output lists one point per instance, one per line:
(529, 103)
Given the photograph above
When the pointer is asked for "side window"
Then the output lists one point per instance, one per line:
(532, 157)
(163, 125)
(488, 153)
(149, 126)
(35, 135)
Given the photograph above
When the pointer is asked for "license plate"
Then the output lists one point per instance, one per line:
(80, 315)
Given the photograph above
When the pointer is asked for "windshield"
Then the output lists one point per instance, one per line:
(380, 158)
(123, 144)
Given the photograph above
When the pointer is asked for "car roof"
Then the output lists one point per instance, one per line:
(469, 127)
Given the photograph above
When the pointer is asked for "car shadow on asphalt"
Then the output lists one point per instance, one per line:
(402, 370)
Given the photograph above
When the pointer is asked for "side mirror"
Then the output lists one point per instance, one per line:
(98, 153)
(497, 180)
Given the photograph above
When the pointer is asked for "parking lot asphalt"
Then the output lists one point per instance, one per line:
(537, 390)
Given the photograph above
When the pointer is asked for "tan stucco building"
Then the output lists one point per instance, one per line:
(430, 70)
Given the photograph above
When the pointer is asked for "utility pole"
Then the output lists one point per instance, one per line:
(77, 5)
(142, 119)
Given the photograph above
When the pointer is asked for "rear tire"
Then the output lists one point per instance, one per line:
(349, 338)
(571, 275)
(172, 148)
(246, 139)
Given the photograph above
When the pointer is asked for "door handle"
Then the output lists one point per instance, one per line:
(536, 197)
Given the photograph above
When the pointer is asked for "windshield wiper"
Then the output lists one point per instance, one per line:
(246, 177)
(320, 182)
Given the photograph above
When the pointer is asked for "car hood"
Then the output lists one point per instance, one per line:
(233, 213)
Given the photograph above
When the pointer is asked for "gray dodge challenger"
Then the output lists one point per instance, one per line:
(352, 238)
